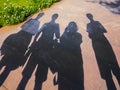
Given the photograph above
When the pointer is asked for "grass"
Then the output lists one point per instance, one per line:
(15, 11)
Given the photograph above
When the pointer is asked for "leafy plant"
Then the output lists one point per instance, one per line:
(15, 11)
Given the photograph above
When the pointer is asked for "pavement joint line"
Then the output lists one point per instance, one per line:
(5, 87)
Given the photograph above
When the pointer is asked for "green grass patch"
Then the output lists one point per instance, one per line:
(15, 11)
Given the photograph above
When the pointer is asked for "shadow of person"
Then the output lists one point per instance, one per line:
(69, 60)
(40, 49)
(13, 50)
(32, 25)
(105, 56)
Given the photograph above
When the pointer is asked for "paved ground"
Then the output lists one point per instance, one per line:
(74, 10)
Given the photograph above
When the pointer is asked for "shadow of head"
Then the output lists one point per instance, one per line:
(89, 16)
(54, 16)
(72, 27)
(39, 15)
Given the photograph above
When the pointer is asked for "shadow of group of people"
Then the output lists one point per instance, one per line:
(61, 54)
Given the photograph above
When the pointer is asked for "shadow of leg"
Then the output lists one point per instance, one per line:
(23, 83)
(110, 84)
(4, 75)
(40, 75)
(116, 72)
(38, 85)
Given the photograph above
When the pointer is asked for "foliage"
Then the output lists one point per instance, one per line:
(15, 11)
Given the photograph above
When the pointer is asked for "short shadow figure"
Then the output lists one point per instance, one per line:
(13, 50)
(40, 49)
(69, 63)
(105, 56)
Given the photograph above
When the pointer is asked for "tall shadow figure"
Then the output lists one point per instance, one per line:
(13, 50)
(105, 56)
(69, 63)
(40, 50)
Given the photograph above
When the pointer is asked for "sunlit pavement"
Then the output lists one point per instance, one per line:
(73, 10)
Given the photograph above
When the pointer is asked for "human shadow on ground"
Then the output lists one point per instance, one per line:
(68, 59)
(14, 47)
(104, 53)
(39, 53)
(13, 50)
